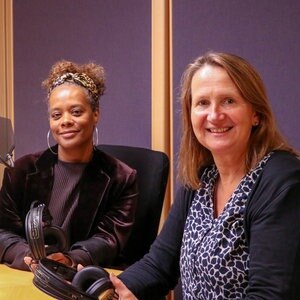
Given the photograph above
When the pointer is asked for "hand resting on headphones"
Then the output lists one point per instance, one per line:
(58, 256)
(65, 283)
(121, 290)
(45, 240)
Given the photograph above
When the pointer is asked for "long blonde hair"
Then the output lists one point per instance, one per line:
(264, 138)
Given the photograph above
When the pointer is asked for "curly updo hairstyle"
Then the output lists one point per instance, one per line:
(94, 71)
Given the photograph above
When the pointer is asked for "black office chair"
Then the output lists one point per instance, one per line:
(152, 175)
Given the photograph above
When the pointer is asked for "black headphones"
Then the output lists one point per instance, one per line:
(65, 283)
(54, 278)
(42, 237)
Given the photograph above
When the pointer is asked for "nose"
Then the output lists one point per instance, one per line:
(215, 113)
(66, 119)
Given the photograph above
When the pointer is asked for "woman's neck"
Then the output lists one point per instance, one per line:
(231, 173)
(231, 168)
(75, 156)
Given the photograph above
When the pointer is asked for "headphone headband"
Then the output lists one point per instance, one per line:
(38, 228)
(64, 283)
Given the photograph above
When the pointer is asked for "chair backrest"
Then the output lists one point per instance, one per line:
(152, 176)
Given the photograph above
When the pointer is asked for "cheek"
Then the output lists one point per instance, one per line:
(87, 123)
(197, 119)
(51, 123)
(53, 126)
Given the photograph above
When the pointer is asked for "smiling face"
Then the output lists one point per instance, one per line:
(72, 122)
(221, 119)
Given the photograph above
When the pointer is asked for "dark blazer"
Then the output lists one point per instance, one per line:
(101, 222)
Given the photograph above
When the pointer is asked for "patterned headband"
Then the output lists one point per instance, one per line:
(80, 79)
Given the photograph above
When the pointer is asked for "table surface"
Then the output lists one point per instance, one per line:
(17, 285)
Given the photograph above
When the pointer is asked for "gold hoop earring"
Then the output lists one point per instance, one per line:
(48, 143)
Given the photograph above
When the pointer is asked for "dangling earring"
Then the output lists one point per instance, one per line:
(97, 137)
(48, 143)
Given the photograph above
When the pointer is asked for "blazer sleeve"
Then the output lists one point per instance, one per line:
(158, 271)
(13, 246)
(272, 223)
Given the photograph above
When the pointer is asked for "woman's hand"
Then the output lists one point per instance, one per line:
(58, 256)
(122, 291)
(61, 258)
(31, 263)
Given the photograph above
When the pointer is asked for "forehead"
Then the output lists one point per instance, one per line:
(68, 94)
(212, 78)
(211, 74)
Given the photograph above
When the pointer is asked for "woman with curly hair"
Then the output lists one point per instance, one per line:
(89, 195)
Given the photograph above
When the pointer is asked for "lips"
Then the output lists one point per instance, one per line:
(68, 134)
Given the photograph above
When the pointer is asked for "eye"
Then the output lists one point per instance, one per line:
(202, 102)
(55, 115)
(229, 101)
(76, 112)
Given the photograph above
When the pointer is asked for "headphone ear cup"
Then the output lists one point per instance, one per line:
(94, 281)
(55, 239)
(100, 288)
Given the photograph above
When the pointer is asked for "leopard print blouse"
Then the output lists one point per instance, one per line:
(214, 254)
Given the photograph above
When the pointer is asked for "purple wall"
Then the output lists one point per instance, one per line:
(116, 34)
(267, 33)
